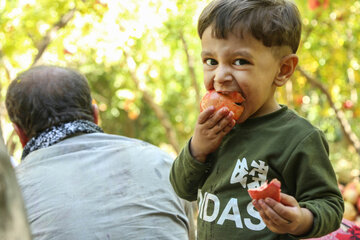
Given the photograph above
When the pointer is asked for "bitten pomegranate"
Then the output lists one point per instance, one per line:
(231, 100)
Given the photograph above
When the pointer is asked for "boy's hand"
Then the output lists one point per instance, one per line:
(286, 216)
(210, 129)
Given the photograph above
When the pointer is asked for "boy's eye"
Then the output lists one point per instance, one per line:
(241, 62)
(211, 61)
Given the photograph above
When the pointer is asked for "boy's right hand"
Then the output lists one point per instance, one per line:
(210, 129)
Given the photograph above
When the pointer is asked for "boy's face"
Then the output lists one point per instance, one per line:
(244, 65)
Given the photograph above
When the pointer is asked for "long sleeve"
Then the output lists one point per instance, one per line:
(187, 174)
(310, 174)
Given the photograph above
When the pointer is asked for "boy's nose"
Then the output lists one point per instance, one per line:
(223, 75)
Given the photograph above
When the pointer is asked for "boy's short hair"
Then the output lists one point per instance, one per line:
(273, 22)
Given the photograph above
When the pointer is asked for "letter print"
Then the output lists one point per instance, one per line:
(240, 172)
(259, 173)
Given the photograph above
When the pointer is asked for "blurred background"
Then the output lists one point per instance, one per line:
(142, 59)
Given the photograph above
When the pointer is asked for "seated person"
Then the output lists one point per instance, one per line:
(79, 182)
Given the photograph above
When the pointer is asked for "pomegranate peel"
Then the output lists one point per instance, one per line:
(271, 190)
(231, 100)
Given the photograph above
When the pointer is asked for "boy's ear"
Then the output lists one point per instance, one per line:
(287, 67)
(22, 136)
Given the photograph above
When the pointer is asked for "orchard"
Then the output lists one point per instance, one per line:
(142, 59)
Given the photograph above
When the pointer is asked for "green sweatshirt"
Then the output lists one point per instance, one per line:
(279, 145)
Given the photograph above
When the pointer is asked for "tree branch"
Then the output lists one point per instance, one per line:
(48, 36)
(159, 112)
(345, 126)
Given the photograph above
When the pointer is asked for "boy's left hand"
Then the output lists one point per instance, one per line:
(285, 216)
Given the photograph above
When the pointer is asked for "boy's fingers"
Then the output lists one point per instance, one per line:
(206, 114)
(261, 211)
(281, 209)
(277, 212)
(226, 126)
(216, 121)
(288, 200)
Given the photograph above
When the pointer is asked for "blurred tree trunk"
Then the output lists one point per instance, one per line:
(191, 67)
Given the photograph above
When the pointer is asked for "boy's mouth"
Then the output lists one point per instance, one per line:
(237, 97)
(232, 100)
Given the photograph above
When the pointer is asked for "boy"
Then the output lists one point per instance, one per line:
(249, 46)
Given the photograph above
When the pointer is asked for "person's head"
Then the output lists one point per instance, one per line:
(46, 96)
(249, 46)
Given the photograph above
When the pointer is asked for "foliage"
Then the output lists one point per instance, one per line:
(142, 59)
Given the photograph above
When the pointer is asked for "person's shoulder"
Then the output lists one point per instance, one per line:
(299, 126)
(126, 140)
(294, 119)
(108, 139)
(150, 154)
(140, 146)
